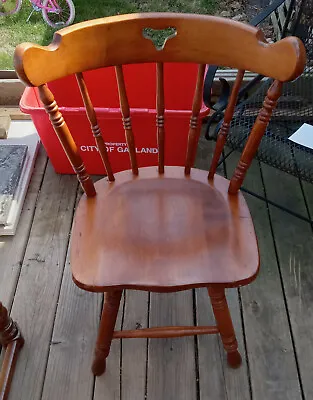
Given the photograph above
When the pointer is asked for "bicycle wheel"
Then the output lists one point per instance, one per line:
(8, 7)
(61, 18)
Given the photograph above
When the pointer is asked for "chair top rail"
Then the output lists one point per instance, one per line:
(119, 40)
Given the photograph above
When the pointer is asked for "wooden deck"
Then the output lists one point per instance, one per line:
(273, 316)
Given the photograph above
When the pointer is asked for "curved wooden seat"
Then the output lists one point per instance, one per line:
(158, 233)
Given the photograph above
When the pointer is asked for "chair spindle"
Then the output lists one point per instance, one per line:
(126, 118)
(160, 116)
(91, 115)
(66, 139)
(223, 132)
(255, 136)
(194, 130)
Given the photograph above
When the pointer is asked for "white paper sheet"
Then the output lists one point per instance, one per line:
(303, 136)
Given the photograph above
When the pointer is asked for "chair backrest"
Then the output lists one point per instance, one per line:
(119, 40)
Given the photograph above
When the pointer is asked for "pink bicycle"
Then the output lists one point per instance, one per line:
(56, 13)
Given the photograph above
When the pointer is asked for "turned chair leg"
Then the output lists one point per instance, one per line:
(225, 325)
(105, 335)
(12, 341)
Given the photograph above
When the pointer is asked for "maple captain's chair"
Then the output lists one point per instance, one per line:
(161, 228)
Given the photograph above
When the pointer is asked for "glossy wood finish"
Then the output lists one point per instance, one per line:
(161, 229)
(126, 118)
(79, 48)
(194, 129)
(94, 125)
(12, 341)
(107, 324)
(225, 325)
(255, 136)
(167, 369)
(160, 108)
(265, 319)
(161, 225)
(166, 332)
(223, 132)
(66, 139)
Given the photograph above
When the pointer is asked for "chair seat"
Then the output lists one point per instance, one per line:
(163, 233)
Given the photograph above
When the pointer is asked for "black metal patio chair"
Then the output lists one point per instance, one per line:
(294, 108)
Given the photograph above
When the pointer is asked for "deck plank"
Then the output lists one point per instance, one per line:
(219, 381)
(171, 361)
(72, 345)
(268, 338)
(294, 241)
(271, 355)
(71, 349)
(134, 351)
(71, 337)
(39, 283)
(216, 380)
(275, 181)
(211, 378)
(12, 248)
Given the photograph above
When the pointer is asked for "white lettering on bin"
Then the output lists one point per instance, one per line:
(120, 148)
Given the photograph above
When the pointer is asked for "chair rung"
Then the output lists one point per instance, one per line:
(166, 331)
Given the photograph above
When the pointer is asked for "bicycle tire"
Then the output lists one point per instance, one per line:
(16, 6)
(47, 16)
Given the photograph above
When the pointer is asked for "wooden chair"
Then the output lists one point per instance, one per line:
(12, 341)
(161, 228)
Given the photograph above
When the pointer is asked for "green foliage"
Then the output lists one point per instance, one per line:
(159, 37)
(14, 29)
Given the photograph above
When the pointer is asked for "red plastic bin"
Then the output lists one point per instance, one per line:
(179, 84)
